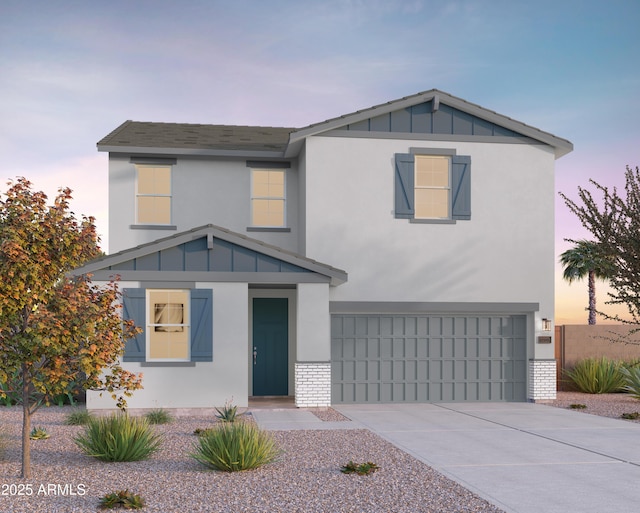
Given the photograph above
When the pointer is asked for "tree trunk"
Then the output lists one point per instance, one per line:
(592, 297)
(26, 425)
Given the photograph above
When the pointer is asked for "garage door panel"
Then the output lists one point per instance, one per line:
(422, 371)
(386, 370)
(398, 371)
(396, 358)
(373, 370)
(411, 370)
(373, 348)
(398, 348)
(460, 370)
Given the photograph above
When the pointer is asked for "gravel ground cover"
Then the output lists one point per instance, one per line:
(605, 405)
(307, 477)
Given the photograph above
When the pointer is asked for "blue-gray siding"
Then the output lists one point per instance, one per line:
(422, 119)
(195, 256)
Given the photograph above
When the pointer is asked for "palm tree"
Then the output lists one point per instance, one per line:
(586, 259)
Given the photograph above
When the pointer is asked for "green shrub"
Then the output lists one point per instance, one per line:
(630, 416)
(121, 499)
(362, 469)
(597, 376)
(78, 418)
(235, 446)
(3, 443)
(159, 416)
(632, 381)
(118, 437)
(201, 431)
(577, 406)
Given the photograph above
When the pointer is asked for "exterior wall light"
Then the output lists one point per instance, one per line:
(546, 324)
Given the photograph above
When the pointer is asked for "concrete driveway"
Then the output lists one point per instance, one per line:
(522, 457)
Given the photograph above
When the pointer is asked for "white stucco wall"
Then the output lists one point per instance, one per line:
(505, 253)
(314, 336)
(207, 384)
(213, 191)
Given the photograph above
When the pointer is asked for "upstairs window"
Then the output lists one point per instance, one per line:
(432, 187)
(153, 194)
(432, 190)
(268, 198)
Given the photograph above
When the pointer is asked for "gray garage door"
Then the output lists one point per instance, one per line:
(427, 358)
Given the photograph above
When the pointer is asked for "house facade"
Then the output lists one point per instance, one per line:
(402, 253)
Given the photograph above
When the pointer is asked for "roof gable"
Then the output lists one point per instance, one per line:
(431, 112)
(211, 253)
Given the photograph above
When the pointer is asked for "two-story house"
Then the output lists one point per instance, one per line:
(404, 253)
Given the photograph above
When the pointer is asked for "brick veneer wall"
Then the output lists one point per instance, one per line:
(313, 384)
(542, 380)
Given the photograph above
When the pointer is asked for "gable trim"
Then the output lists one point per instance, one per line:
(327, 273)
(177, 277)
(561, 146)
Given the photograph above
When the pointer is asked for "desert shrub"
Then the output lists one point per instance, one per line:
(228, 413)
(118, 437)
(77, 418)
(159, 416)
(3, 443)
(234, 446)
(597, 376)
(121, 499)
(39, 433)
(632, 381)
(362, 469)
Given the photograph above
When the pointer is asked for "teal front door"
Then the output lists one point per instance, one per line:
(270, 346)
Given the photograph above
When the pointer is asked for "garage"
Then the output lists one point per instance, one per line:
(428, 358)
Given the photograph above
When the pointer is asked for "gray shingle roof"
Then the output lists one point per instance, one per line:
(192, 136)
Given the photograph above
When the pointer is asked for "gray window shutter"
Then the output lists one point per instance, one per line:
(201, 325)
(404, 186)
(134, 308)
(461, 192)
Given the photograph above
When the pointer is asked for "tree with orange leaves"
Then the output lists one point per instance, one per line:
(55, 330)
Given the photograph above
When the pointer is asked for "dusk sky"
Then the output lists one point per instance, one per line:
(72, 71)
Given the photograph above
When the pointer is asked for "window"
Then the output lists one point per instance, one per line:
(153, 195)
(268, 198)
(168, 325)
(432, 188)
(177, 325)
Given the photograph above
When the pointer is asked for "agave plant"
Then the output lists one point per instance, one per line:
(228, 413)
(39, 433)
(121, 499)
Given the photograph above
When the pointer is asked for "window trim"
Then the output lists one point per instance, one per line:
(404, 186)
(138, 195)
(134, 307)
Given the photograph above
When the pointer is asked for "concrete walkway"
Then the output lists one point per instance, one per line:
(522, 457)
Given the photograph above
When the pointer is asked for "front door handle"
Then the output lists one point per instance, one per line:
(255, 355)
